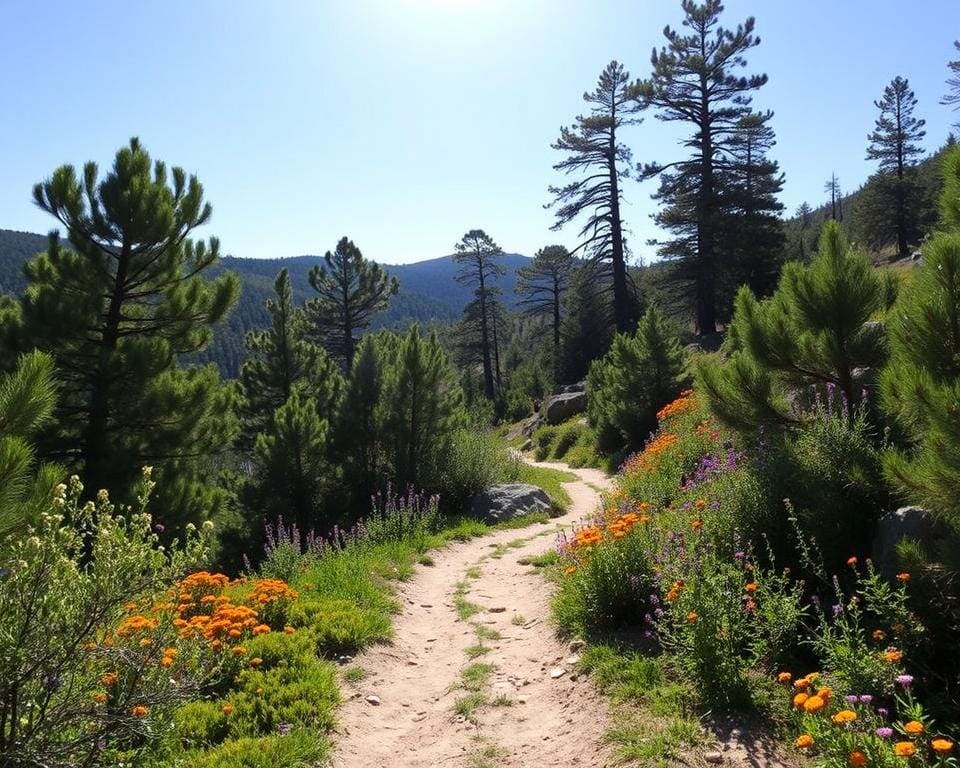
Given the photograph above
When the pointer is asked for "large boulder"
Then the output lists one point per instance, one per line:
(561, 407)
(505, 502)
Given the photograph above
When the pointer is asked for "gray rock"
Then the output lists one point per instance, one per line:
(374, 700)
(904, 523)
(557, 672)
(505, 502)
(561, 407)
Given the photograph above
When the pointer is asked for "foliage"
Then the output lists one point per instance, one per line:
(573, 442)
(542, 286)
(639, 375)
(952, 97)
(594, 150)
(27, 399)
(586, 330)
(116, 306)
(351, 291)
(82, 671)
(813, 330)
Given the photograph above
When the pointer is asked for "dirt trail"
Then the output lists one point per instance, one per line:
(552, 720)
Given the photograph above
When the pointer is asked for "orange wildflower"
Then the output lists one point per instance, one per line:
(893, 656)
(109, 679)
(751, 587)
(844, 716)
(692, 616)
(228, 709)
(904, 749)
(852, 561)
(784, 677)
(903, 576)
(858, 759)
(941, 746)
(803, 741)
(140, 711)
(914, 727)
(799, 700)
(814, 704)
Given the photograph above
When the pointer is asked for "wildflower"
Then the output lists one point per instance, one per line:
(751, 587)
(814, 704)
(692, 616)
(800, 699)
(858, 759)
(893, 656)
(256, 661)
(852, 561)
(801, 684)
(803, 741)
(905, 680)
(239, 650)
(866, 698)
(904, 749)
(851, 699)
(883, 732)
(261, 629)
(844, 716)
(697, 524)
(941, 746)
(100, 697)
(166, 661)
(146, 642)
(288, 630)
(140, 711)
(913, 727)
(570, 570)
(259, 691)
(784, 677)
(825, 693)
(284, 728)
(228, 709)
(879, 635)
(109, 679)
(882, 711)
(903, 576)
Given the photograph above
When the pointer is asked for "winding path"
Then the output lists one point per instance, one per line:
(534, 715)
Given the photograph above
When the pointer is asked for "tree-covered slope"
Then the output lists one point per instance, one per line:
(428, 292)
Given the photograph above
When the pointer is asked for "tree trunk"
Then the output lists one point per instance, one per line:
(485, 342)
(621, 309)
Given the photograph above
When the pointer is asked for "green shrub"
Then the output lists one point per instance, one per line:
(201, 724)
(627, 386)
(543, 439)
(341, 626)
(474, 461)
(298, 749)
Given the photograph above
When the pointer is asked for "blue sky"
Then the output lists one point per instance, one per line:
(404, 123)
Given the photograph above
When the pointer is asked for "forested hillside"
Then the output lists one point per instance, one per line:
(428, 292)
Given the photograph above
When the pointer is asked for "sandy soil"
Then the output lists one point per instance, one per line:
(554, 720)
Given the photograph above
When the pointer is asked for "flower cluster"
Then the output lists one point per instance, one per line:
(686, 402)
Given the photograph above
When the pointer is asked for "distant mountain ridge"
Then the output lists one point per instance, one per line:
(429, 294)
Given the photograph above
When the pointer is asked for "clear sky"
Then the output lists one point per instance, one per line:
(404, 123)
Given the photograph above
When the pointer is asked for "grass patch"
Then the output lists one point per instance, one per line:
(475, 676)
(473, 572)
(486, 633)
(502, 701)
(464, 608)
(354, 674)
(548, 558)
(476, 651)
(573, 442)
(467, 705)
(551, 481)
(518, 620)
(425, 560)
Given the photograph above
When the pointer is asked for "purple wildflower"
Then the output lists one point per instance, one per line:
(905, 680)
(851, 699)
(866, 698)
(884, 732)
(284, 728)
(883, 711)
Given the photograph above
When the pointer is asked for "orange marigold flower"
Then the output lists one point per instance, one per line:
(256, 661)
(913, 727)
(261, 629)
(697, 525)
(568, 571)
(166, 661)
(700, 503)
(751, 587)
(893, 656)
(692, 616)
(844, 716)
(100, 697)
(852, 561)
(228, 709)
(801, 684)
(239, 650)
(904, 749)
(825, 693)
(879, 635)
(140, 711)
(288, 630)
(109, 679)
(784, 677)
(89, 646)
(858, 759)
(803, 741)
(941, 746)
(146, 642)
(814, 704)
(799, 700)
(903, 576)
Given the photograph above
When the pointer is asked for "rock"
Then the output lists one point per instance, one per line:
(572, 661)
(497, 609)
(904, 523)
(522, 699)
(576, 645)
(507, 501)
(426, 605)
(713, 757)
(561, 407)
(557, 672)
(374, 700)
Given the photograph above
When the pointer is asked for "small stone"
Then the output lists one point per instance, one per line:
(522, 698)
(374, 700)
(412, 663)
(573, 678)
(431, 639)
(713, 757)
(557, 672)
(572, 660)
(404, 703)
(497, 609)
(426, 605)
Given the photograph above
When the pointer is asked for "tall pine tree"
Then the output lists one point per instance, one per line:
(479, 259)
(542, 285)
(351, 290)
(952, 97)
(696, 80)
(116, 309)
(894, 144)
(595, 151)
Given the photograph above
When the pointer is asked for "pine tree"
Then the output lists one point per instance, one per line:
(696, 80)
(351, 290)
(894, 143)
(832, 185)
(479, 259)
(952, 97)
(950, 195)
(281, 361)
(359, 428)
(640, 374)
(813, 330)
(422, 406)
(542, 285)
(587, 327)
(27, 400)
(752, 231)
(116, 310)
(803, 214)
(596, 152)
(292, 466)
